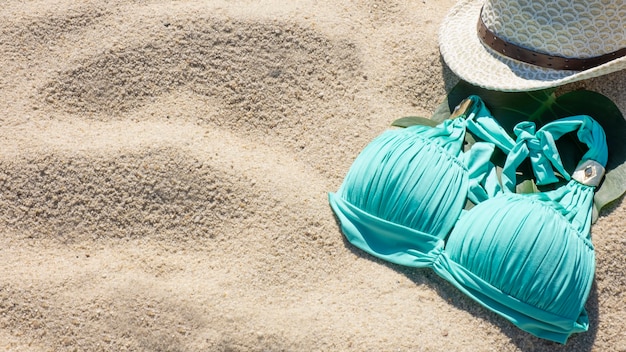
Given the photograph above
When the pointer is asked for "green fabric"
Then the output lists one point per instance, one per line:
(528, 258)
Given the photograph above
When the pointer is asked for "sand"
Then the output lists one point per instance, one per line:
(164, 169)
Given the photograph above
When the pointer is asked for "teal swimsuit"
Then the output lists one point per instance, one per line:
(527, 257)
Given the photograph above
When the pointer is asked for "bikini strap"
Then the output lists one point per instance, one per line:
(481, 123)
(544, 156)
(481, 172)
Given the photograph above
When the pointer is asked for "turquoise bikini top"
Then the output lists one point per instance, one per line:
(527, 257)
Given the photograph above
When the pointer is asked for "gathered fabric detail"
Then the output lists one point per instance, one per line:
(408, 179)
(573, 202)
(527, 257)
(535, 254)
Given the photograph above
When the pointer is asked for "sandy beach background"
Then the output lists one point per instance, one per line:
(164, 169)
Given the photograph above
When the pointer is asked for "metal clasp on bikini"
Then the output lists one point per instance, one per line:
(589, 173)
(462, 108)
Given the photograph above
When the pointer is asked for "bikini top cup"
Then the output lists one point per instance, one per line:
(527, 257)
(407, 188)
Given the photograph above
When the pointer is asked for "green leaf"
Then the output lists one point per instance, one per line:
(414, 120)
(508, 108)
(527, 186)
(545, 106)
(443, 111)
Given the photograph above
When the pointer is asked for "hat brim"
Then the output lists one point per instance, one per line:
(477, 64)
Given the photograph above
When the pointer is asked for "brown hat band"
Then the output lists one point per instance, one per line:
(532, 57)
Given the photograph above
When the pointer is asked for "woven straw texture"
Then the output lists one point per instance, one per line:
(578, 28)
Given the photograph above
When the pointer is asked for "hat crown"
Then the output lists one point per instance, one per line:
(567, 28)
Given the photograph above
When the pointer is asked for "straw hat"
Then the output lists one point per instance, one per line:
(523, 45)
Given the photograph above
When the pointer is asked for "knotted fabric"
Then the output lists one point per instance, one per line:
(541, 148)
